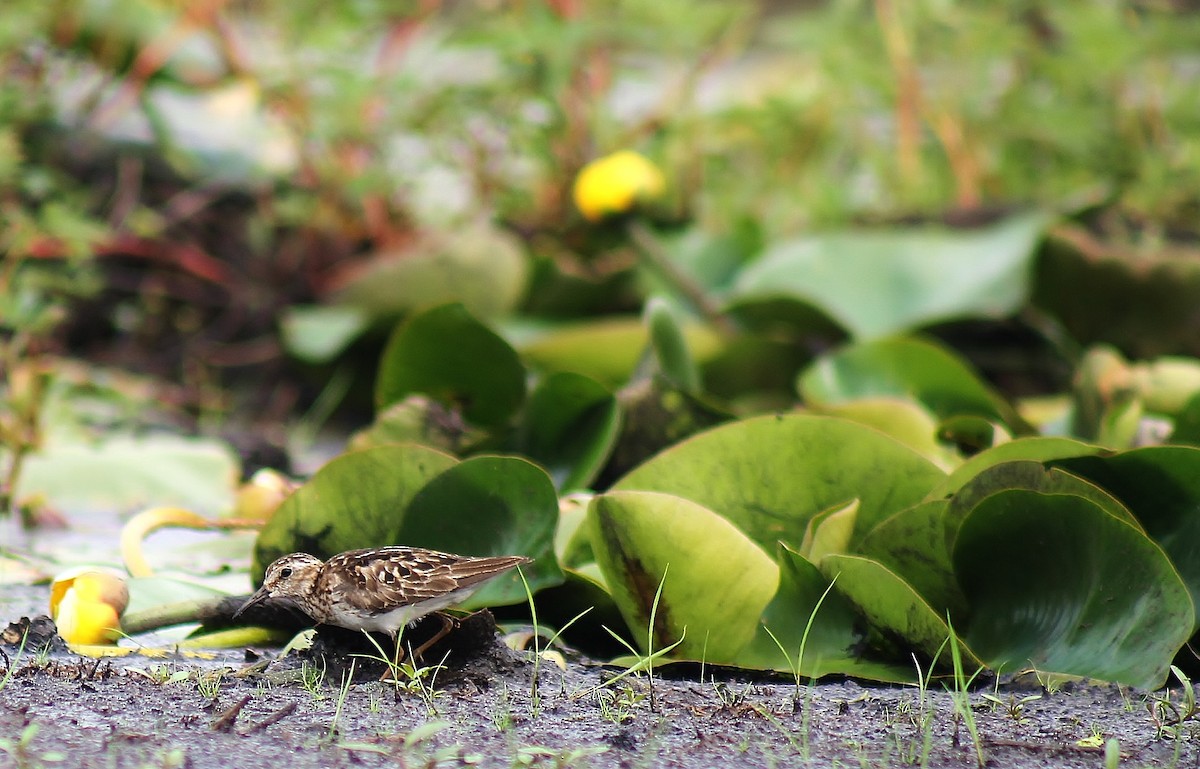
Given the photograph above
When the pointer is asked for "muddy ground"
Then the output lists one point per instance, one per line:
(247, 709)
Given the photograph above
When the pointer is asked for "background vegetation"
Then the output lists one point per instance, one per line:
(918, 296)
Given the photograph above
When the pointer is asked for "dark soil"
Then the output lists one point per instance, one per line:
(482, 708)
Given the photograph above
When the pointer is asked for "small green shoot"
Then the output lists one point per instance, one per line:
(312, 678)
(1168, 716)
(408, 677)
(347, 679)
(960, 696)
(535, 695)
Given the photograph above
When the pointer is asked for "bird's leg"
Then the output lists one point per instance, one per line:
(448, 623)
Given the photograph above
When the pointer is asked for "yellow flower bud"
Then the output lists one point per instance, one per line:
(616, 183)
(258, 498)
(86, 606)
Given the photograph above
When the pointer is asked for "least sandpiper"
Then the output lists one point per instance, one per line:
(380, 589)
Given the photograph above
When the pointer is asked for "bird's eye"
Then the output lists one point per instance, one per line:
(285, 572)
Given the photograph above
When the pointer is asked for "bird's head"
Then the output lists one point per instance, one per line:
(288, 579)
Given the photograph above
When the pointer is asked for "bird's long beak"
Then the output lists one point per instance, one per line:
(259, 596)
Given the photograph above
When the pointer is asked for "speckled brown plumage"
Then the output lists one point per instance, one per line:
(380, 589)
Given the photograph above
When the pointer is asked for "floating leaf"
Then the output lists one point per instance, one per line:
(450, 356)
(356, 500)
(879, 282)
(907, 368)
(1033, 476)
(1161, 487)
(606, 350)
(891, 606)
(834, 636)
(489, 505)
(912, 543)
(479, 266)
(641, 539)
(318, 333)
(770, 475)
(124, 473)
(570, 426)
(1034, 448)
(1056, 583)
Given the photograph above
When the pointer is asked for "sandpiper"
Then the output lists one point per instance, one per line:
(380, 589)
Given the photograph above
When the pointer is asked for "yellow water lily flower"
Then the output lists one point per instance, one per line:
(616, 183)
(86, 605)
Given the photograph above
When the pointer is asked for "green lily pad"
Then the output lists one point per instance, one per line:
(1057, 583)
(484, 268)
(879, 282)
(907, 368)
(607, 350)
(912, 543)
(1035, 448)
(891, 606)
(450, 356)
(642, 539)
(1029, 475)
(318, 333)
(1161, 487)
(126, 472)
(489, 505)
(570, 426)
(834, 636)
(829, 532)
(770, 475)
(906, 421)
(356, 500)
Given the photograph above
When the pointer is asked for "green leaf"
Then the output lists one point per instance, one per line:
(770, 475)
(607, 350)
(479, 266)
(832, 645)
(317, 333)
(906, 368)
(1035, 448)
(1056, 583)
(639, 537)
(912, 543)
(489, 505)
(670, 347)
(879, 282)
(570, 426)
(447, 354)
(356, 500)
(908, 422)
(126, 472)
(1160, 485)
(890, 605)
(1033, 476)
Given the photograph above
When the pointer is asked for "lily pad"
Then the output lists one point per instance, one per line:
(1027, 475)
(769, 475)
(643, 539)
(1035, 448)
(489, 505)
(450, 356)
(126, 472)
(891, 606)
(903, 367)
(1161, 487)
(834, 635)
(570, 426)
(1057, 583)
(356, 500)
(883, 281)
(912, 543)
